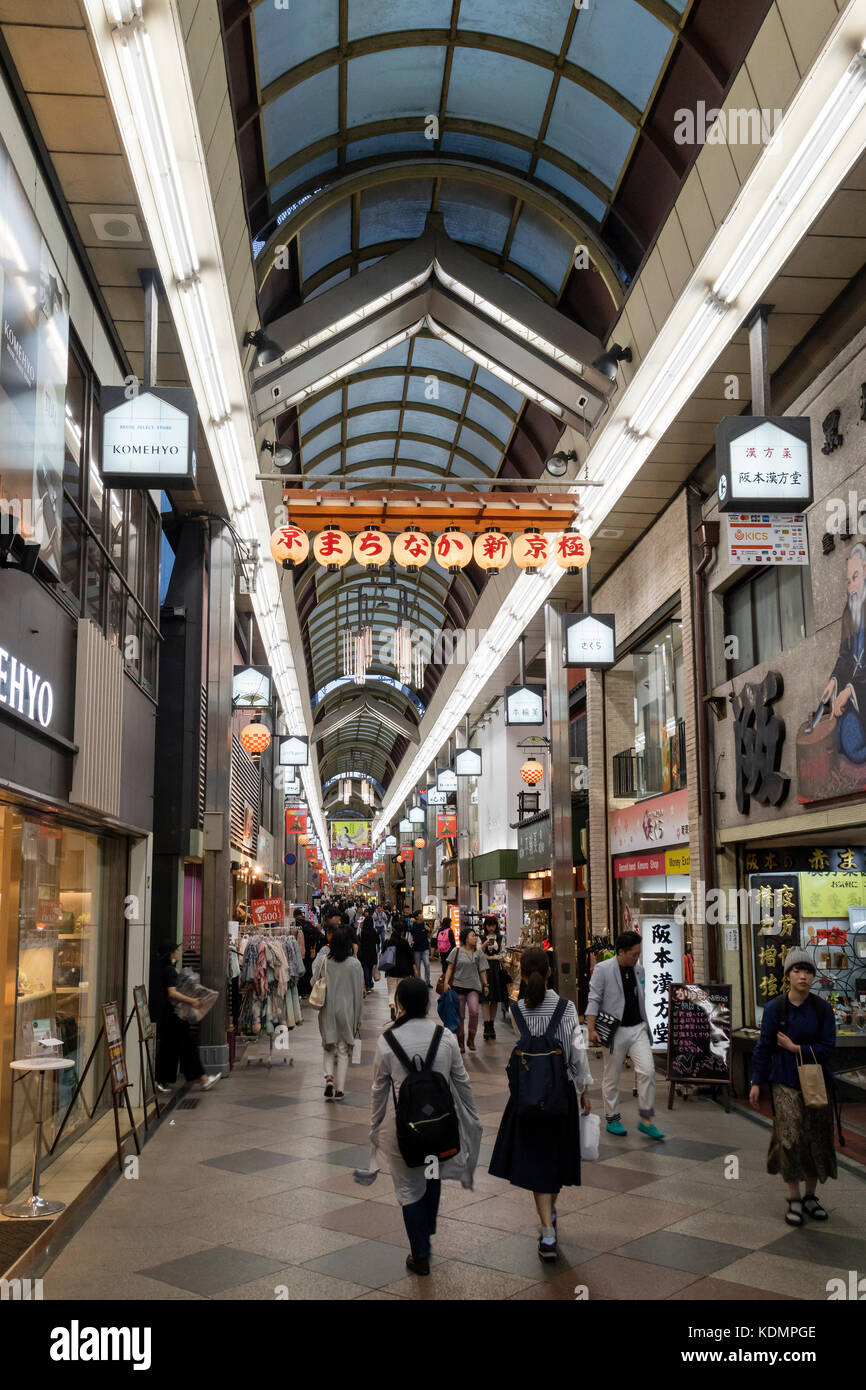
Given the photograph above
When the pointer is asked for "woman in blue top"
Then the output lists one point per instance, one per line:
(801, 1147)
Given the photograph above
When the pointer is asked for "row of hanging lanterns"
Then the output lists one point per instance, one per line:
(412, 549)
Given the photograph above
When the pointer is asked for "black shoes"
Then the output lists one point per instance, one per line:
(489, 1033)
(421, 1267)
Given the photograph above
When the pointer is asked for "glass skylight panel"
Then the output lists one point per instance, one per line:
(322, 443)
(395, 211)
(444, 393)
(497, 387)
(475, 215)
(497, 89)
(542, 247)
(394, 84)
(315, 169)
(319, 411)
(564, 183)
(283, 41)
(493, 151)
(622, 43)
(589, 132)
(374, 390)
(372, 422)
(404, 141)
(417, 451)
(301, 116)
(495, 421)
(539, 22)
(390, 16)
(434, 355)
(472, 443)
(426, 422)
(327, 239)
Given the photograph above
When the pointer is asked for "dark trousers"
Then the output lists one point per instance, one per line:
(175, 1045)
(368, 976)
(419, 1219)
(443, 956)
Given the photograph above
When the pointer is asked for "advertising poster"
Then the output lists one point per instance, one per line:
(34, 345)
(266, 910)
(114, 1043)
(350, 834)
(142, 1012)
(699, 1033)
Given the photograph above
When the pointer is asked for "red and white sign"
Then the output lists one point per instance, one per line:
(445, 825)
(265, 910)
(296, 821)
(638, 865)
(662, 820)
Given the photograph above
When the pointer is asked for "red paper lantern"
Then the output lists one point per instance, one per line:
(532, 772)
(256, 739)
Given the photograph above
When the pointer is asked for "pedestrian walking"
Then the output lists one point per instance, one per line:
(497, 993)
(311, 941)
(797, 1028)
(417, 1043)
(340, 1018)
(402, 961)
(445, 942)
(368, 950)
(616, 991)
(420, 946)
(175, 1043)
(467, 974)
(538, 1143)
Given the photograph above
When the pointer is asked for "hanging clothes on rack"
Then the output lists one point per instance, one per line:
(265, 977)
(296, 972)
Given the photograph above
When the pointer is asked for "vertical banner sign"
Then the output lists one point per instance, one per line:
(446, 824)
(774, 908)
(699, 1033)
(34, 351)
(296, 822)
(662, 958)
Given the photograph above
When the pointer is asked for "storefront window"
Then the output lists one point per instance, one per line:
(62, 894)
(768, 613)
(646, 728)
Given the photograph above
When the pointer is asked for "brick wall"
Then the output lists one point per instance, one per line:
(655, 571)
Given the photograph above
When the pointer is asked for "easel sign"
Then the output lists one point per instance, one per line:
(118, 1074)
(700, 1050)
(146, 1036)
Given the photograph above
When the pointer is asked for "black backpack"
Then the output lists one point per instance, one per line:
(537, 1074)
(426, 1118)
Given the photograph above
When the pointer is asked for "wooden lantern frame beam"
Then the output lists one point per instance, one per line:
(394, 511)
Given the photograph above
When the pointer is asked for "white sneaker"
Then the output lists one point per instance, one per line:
(164, 1090)
(210, 1081)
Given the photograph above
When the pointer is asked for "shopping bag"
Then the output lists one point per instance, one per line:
(388, 958)
(319, 990)
(377, 974)
(812, 1084)
(590, 1130)
(356, 1053)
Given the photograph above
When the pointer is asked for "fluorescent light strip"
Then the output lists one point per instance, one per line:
(488, 363)
(333, 377)
(704, 324)
(160, 186)
(826, 134)
(513, 325)
(352, 320)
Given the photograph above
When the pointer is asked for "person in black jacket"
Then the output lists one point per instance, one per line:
(796, 1025)
(368, 950)
(404, 962)
(311, 941)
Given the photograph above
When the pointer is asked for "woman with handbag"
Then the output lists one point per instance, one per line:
(397, 960)
(798, 1034)
(341, 974)
(497, 991)
(467, 974)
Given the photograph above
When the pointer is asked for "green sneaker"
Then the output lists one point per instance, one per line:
(650, 1131)
(615, 1127)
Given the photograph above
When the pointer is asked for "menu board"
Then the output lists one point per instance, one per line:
(699, 1033)
(774, 908)
(114, 1043)
(142, 1012)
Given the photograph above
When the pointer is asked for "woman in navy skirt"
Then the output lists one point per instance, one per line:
(542, 1154)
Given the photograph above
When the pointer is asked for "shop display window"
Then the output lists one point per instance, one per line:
(62, 924)
(644, 707)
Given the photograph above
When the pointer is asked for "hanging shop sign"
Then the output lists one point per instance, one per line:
(446, 825)
(390, 841)
(251, 687)
(774, 912)
(266, 910)
(350, 834)
(764, 538)
(524, 704)
(34, 352)
(292, 786)
(447, 781)
(764, 463)
(417, 815)
(296, 821)
(437, 798)
(662, 960)
(699, 1033)
(588, 640)
(148, 440)
(294, 751)
(467, 762)
(533, 846)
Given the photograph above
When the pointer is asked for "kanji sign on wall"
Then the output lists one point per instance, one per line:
(764, 464)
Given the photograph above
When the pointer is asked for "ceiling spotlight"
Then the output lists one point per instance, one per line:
(283, 458)
(609, 361)
(557, 464)
(267, 351)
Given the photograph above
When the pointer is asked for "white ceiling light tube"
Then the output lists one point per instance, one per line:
(520, 330)
(693, 341)
(826, 134)
(352, 320)
(357, 362)
(491, 365)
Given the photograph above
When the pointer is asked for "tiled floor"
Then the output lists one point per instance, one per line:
(251, 1196)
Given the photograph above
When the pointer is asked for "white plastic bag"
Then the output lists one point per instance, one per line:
(356, 1052)
(590, 1132)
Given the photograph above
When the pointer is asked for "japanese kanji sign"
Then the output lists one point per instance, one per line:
(662, 960)
(764, 464)
(588, 640)
(524, 704)
(758, 738)
(774, 908)
(699, 1033)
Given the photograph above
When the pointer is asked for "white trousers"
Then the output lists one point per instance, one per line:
(336, 1063)
(634, 1043)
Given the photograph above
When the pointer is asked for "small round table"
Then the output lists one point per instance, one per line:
(36, 1205)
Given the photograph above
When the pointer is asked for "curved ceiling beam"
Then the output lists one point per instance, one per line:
(452, 379)
(324, 693)
(484, 469)
(366, 705)
(548, 204)
(443, 38)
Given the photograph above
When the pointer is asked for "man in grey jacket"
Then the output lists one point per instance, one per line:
(616, 988)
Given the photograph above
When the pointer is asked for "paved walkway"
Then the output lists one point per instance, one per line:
(250, 1195)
